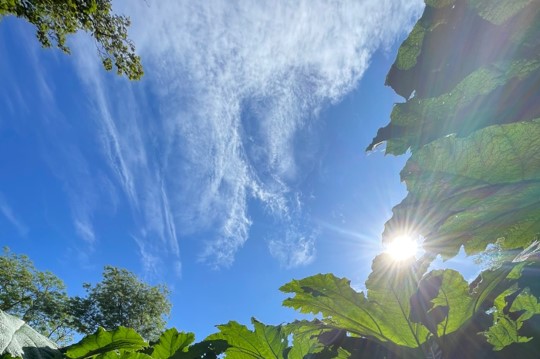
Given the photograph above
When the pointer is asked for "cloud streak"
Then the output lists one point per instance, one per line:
(12, 218)
(238, 86)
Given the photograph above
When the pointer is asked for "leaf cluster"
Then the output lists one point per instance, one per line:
(56, 19)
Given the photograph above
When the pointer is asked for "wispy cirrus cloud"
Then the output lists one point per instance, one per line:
(238, 86)
(11, 217)
(126, 143)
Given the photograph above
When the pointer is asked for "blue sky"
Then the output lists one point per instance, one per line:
(235, 165)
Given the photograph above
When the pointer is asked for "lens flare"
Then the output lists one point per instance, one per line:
(402, 247)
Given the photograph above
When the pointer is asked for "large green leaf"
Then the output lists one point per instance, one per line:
(265, 342)
(123, 354)
(479, 100)
(465, 73)
(17, 339)
(411, 48)
(170, 342)
(207, 349)
(452, 39)
(497, 11)
(473, 191)
(470, 72)
(382, 315)
(269, 341)
(103, 341)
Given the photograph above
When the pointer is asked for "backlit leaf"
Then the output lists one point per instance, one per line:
(170, 342)
(103, 341)
(265, 342)
(382, 314)
(474, 191)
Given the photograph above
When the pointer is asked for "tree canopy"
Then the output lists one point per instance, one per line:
(38, 298)
(56, 19)
(121, 299)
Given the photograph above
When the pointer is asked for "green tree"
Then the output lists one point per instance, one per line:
(39, 298)
(121, 299)
(55, 19)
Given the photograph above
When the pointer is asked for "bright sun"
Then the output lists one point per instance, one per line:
(402, 247)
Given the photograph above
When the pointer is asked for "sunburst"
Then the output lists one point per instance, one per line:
(402, 247)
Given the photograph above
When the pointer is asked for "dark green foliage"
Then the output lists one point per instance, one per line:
(56, 19)
(121, 299)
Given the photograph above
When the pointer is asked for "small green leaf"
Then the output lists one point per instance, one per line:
(511, 312)
(504, 333)
(444, 301)
(306, 339)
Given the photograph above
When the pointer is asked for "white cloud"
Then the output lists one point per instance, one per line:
(294, 247)
(151, 262)
(12, 218)
(85, 230)
(119, 111)
(84, 185)
(237, 84)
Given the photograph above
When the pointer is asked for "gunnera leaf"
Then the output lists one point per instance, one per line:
(19, 340)
(103, 341)
(445, 302)
(264, 342)
(452, 39)
(170, 342)
(494, 94)
(382, 314)
(474, 191)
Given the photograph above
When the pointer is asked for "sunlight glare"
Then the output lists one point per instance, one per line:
(402, 247)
